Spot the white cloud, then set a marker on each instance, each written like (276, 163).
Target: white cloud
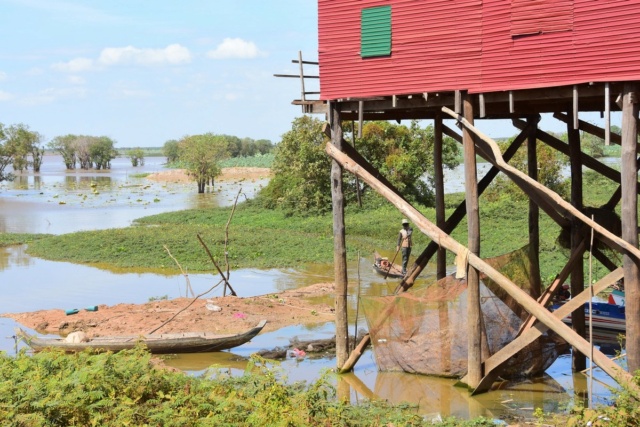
(35, 71)
(235, 48)
(49, 95)
(5, 96)
(74, 66)
(3, 76)
(172, 54)
(231, 96)
(76, 80)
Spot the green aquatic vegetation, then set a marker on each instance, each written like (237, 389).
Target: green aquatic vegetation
(9, 239)
(51, 388)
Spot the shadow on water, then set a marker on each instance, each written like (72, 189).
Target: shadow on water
(56, 202)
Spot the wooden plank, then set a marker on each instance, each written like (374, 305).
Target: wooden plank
(339, 245)
(629, 216)
(434, 233)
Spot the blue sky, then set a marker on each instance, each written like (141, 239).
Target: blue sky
(144, 72)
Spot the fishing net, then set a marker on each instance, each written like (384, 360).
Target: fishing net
(424, 331)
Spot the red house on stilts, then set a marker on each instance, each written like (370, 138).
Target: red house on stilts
(469, 60)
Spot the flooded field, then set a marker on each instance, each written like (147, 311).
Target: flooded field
(59, 202)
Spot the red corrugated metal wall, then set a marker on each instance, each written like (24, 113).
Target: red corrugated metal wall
(443, 45)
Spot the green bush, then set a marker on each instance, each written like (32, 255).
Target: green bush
(107, 389)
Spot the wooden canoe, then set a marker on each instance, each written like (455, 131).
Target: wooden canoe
(383, 267)
(187, 342)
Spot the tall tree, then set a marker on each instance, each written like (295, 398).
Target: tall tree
(137, 157)
(171, 150)
(66, 147)
(300, 182)
(301, 167)
(22, 143)
(102, 151)
(5, 156)
(201, 156)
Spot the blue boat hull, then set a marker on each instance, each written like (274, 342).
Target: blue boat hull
(605, 316)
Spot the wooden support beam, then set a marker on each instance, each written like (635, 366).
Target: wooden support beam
(586, 160)
(534, 216)
(438, 166)
(579, 361)
(434, 233)
(589, 128)
(474, 312)
(355, 355)
(548, 294)
(539, 201)
(339, 244)
(530, 186)
(629, 216)
(494, 364)
(607, 114)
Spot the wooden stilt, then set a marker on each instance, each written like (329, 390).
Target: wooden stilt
(534, 217)
(630, 222)
(577, 274)
(441, 260)
(339, 245)
(474, 315)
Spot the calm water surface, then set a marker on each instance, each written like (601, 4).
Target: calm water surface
(58, 202)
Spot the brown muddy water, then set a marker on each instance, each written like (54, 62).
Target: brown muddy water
(57, 202)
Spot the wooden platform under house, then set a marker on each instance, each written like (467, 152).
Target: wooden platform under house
(459, 62)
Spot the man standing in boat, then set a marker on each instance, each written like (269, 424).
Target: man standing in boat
(405, 243)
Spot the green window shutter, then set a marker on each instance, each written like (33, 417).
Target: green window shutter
(375, 32)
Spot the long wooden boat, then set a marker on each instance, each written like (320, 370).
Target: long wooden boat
(605, 316)
(187, 342)
(384, 267)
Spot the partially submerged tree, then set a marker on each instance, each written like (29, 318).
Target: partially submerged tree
(102, 151)
(171, 150)
(137, 157)
(22, 143)
(87, 151)
(5, 157)
(66, 147)
(201, 155)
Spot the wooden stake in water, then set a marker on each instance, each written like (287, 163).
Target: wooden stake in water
(591, 322)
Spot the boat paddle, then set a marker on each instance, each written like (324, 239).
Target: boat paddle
(391, 265)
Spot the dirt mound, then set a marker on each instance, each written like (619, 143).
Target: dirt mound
(180, 176)
(235, 315)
